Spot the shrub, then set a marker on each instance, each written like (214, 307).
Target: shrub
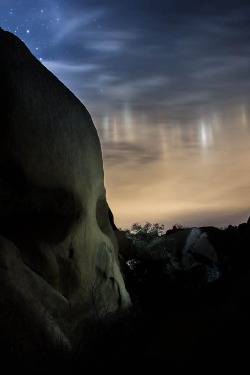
(145, 238)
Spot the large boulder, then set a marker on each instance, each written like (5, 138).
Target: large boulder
(58, 252)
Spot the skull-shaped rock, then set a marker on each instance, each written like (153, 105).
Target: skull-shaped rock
(58, 254)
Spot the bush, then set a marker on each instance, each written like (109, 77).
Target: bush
(145, 238)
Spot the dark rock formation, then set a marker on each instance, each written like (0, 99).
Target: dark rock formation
(197, 316)
(58, 253)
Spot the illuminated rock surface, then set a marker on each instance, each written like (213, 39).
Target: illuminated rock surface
(58, 253)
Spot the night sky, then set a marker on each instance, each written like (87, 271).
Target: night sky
(167, 84)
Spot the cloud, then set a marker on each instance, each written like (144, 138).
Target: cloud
(175, 59)
(62, 67)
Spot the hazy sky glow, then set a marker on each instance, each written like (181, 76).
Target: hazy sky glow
(167, 84)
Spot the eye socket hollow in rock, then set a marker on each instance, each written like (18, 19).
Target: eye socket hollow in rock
(11, 174)
(40, 213)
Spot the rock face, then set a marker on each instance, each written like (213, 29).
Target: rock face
(58, 253)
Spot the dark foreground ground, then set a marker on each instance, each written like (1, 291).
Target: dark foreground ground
(196, 319)
(180, 320)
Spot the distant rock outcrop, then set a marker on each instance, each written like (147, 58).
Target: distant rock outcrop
(194, 292)
(58, 254)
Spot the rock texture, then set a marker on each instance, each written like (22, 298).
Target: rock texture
(58, 253)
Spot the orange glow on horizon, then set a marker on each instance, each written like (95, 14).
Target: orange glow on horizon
(192, 174)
